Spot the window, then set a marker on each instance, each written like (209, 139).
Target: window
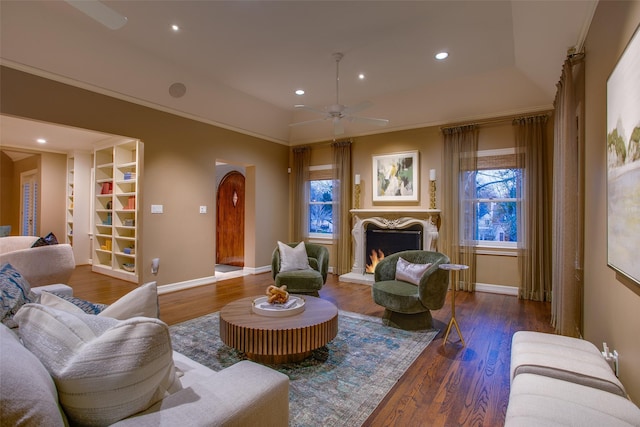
(496, 201)
(320, 208)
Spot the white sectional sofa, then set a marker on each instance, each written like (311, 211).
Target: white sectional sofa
(42, 265)
(61, 365)
(563, 381)
(244, 394)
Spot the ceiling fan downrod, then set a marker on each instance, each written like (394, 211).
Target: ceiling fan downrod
(338, 56)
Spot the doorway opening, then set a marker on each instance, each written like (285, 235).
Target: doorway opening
(230, 219)
(29, 203)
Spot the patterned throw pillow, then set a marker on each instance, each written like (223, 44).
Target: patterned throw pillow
(49, 239)
(104, 369)
(15, 291)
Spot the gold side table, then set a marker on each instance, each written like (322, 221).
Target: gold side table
(453, 268)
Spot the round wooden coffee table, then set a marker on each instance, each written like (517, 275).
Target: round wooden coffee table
(278, 339)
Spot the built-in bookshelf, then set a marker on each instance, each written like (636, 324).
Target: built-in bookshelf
(117, 184)
(70, 196)
(78, 230)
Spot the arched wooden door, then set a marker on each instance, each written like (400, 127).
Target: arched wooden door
(230, 220)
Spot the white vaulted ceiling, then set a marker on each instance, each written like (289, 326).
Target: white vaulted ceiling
(241, 61)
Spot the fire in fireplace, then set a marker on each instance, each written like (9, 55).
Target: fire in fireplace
(386, 241)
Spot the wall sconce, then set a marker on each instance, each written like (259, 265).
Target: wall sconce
(357, 191)
(432, 180)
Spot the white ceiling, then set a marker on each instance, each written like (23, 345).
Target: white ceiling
(241, 61)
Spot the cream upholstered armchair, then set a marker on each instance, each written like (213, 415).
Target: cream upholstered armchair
(407, 305)
(307, 280)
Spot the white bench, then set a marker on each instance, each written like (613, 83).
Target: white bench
(563, 381)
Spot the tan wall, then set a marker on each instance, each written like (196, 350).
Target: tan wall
(6, 192)
(179, 173)
(611, 307)
(53, 179)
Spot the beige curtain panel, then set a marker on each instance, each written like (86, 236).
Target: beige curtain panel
(568, 201)
(459, 221)
(342, 204)
(301, 160)
(534, 226)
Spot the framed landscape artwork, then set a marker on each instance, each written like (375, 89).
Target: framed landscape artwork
(395, 177)
(623, 162)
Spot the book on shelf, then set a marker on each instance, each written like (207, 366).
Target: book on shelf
(131, 203)
(107, 188)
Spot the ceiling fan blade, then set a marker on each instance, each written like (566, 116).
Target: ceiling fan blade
(100, 12)
(306, 107)
(358, 107)
(308, 122)
(338, 127)
(368, 120)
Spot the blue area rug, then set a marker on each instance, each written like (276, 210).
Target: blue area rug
(340, 384)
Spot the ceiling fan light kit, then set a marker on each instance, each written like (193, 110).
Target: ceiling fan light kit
(336, 112)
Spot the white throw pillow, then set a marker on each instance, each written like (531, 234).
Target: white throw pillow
(409, 272)
(293, 258)
(54, 301)
(140, 302)
(104, 369)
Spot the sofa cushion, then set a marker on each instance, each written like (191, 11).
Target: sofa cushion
(15, 291)
(104, 369)
(292, 259)
(28, 395)
(410, 272)
(537, 400)
(564, 358)
(49, 239)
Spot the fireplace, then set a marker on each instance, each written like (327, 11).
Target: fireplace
(381, 242)
(422, 226)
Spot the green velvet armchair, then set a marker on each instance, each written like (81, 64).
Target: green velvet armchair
(407, 306)
(308, 281)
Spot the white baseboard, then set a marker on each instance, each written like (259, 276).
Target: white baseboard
(187, 284)
(218, 277)
(497, 289)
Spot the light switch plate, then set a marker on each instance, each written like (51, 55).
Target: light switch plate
(156, 209)
(203, 209)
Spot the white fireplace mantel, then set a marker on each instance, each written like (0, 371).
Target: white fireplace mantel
(394, 211)
(391, 219)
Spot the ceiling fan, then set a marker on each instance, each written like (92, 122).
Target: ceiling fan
(100, 12)
(337, 111)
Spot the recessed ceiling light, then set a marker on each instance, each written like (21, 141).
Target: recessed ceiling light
(361, 76)
(299, 92)
(41, 141)
(174, 27)
(441, 55)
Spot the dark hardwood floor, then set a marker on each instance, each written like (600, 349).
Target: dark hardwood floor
(448, 385)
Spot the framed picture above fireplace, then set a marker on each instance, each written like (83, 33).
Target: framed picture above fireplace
(395, 177)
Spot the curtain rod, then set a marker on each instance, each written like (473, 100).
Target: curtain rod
(496, 120)
(323, 143)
